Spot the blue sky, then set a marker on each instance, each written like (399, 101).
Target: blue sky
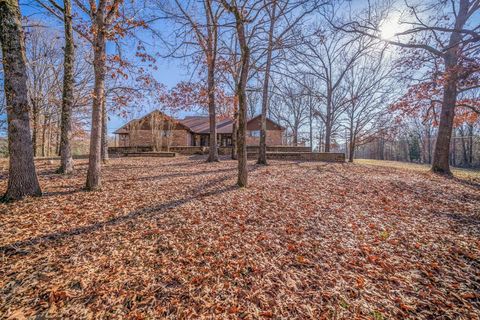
(169, 72)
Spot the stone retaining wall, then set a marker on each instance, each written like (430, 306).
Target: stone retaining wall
(189, 150)
(303, 156)
(124, 150)
(280, 149)
(273, 152)
(151, 154)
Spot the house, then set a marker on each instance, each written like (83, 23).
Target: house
(158, 130)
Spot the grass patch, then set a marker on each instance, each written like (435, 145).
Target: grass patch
(461, 173)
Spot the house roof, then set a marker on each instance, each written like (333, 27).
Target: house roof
(198, 124)
(125, 129)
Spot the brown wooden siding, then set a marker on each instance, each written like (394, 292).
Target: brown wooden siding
(144, 138)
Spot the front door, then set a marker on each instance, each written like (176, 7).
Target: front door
(203, 140)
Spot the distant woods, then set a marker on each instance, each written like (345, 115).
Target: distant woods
(45, 68)
(380, 79)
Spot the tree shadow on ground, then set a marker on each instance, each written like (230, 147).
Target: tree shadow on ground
(180, 164)
(469, 224)
(468, 183)
(25, 247)
(171, 175)
(204, 157)
(62, 192)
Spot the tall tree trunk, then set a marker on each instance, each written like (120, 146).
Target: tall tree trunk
(36, 119)
(351, 153)
(242, 103)
(381, 149)
(453, 149)
(66, 160)
(262, 154)
(464, 147)
(442, 147)
(235, 131)
(213, 150)
(242, 129)
(320, 138)
(240, 92)
(328, 121)
(211, 56)
(310, 125)
(57, 135)
(328, 134)
(429, 143)
(470, 144)
(22, 177)
(295, 136)
(105, 156)
(49, 139)
(95, 158)
(44, 135)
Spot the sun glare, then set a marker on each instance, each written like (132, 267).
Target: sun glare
(387, 32)
(389, 28)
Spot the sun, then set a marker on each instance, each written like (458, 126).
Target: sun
(387, 32)
(389, 28)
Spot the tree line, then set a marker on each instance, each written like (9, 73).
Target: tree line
(300, 62)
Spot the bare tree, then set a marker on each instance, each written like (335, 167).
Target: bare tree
(254, 96)
(109, 20)
(44, 72)
(231, 66)
(64, 13)
(43, 67)
(451, 36)
(240, 13)
(104, 138)
(370, 88)
(262, 155)
(22, 179)
(293, 13)
(66, 159)
(290, 106)
(327, 56)
(101, 16)
(157, 125)
(204, 29)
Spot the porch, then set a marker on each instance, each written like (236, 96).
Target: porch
(203, 139)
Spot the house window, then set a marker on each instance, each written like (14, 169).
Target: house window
(255, 133)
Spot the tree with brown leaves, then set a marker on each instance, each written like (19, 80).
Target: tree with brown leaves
(199, 29)
(444, 30)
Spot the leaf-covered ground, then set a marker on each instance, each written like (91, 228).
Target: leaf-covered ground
(174, 238)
